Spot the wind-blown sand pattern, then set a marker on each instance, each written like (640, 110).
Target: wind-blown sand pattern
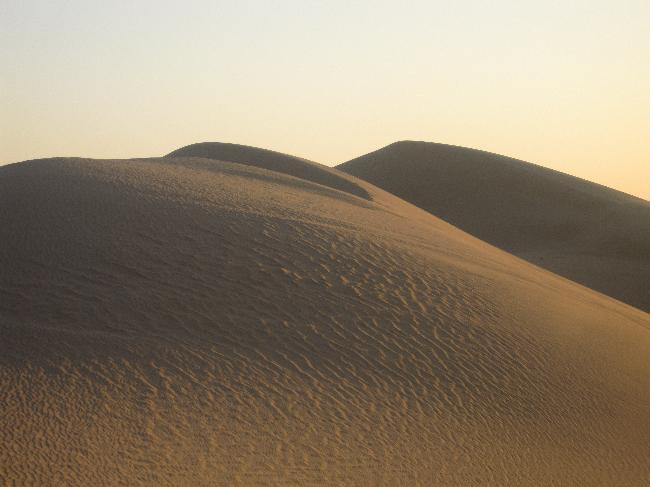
(187, 321)
(588, 233)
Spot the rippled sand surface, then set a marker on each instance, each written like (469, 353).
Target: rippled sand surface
(186, 321)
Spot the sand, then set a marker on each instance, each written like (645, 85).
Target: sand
(586, 232)
(186, 321)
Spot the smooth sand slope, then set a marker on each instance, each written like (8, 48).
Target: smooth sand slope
(186, 321)
(274, 161)
(588, 233)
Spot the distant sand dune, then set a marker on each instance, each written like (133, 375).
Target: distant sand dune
(274, 161)
(188, 321)
(588, 233)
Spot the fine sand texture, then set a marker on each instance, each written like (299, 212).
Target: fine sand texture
(190, 321)
(586, 232)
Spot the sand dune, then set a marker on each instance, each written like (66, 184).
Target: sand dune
(187, 321)
(273, 161)
(588, 233)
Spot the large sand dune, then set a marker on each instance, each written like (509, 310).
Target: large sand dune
(187, 321)
(588, 233)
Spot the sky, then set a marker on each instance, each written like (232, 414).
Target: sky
(564, 84)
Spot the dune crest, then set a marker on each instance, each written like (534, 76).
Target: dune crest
(273, 161)
(586, 232)
(185, 321)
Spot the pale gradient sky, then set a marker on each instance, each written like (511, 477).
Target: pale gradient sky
(564, 84)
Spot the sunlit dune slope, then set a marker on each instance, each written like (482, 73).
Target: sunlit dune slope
(186, 321)
(591, 234)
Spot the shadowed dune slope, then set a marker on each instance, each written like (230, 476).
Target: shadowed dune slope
(185, 321)
(588, 233)
(274, 161)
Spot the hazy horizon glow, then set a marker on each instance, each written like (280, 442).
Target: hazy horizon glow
(561, 84)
